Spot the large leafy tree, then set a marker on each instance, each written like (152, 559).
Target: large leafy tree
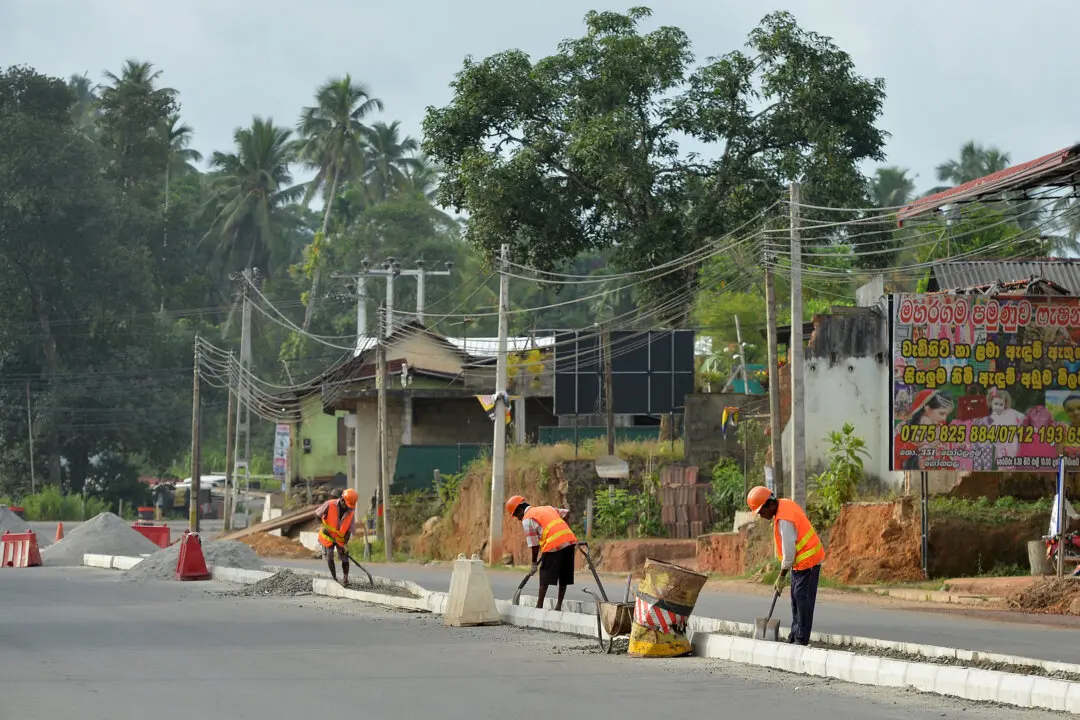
(580, 150)
(331, 133)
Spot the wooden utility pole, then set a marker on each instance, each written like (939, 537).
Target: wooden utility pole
(384, 464)
(230, 453)
(196, 445)
(608, 395)
(776, 428)
(498, 448)
(795, 359)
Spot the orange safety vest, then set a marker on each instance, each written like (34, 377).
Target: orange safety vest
(553, 529)
(335, 526)
(808, 548)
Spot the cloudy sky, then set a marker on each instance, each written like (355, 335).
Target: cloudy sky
(955, 69)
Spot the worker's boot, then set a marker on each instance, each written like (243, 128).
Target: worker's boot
(345, 580)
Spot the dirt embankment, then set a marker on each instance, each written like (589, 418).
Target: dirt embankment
(1049, 596)
(875, 542)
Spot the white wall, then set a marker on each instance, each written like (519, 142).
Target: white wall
(852, 390)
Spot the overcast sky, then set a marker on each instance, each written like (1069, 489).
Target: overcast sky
(955, 70)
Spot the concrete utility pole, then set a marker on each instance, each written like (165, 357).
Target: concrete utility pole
(390, 270)
(30, 431)
(609, 399)
(382, 381)
(230, 450)
(776, 429)
(795, 357)
(243, 394)
(196, 445)
(742, 357)
(498, 450)
(421, 274)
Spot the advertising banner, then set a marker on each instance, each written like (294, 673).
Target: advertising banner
(985, 383)
(281, 451)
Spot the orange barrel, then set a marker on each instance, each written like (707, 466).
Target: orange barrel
(664, 600)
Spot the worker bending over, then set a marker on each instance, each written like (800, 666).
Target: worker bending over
(799, 550)
(337, 523)
(552, 543)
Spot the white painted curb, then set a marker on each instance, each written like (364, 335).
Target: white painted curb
(110, 562)
(968, 683)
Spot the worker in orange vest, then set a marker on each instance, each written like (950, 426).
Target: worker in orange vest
(552, 543)
(800, 552)
(336, 515)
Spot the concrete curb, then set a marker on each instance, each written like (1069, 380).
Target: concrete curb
(1025, 691)
(110, 562)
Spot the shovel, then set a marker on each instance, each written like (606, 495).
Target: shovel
(766, 628)
(363, 569)
(524, 582)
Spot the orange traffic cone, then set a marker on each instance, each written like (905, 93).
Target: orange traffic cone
(59, 531)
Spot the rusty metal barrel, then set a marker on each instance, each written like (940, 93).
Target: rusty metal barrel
(663, 603)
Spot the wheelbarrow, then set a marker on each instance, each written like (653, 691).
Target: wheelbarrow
(615, 618)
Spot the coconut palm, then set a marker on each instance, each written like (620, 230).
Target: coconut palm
(975, 161)
(130, 130)
(84, 113)
(891, 187)
(389, 160)
(331, 134)
(250, 188)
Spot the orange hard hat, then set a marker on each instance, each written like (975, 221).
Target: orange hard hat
(757, 497)
(350, 497)
(512, 504)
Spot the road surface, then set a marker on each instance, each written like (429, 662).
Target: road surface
(89, 642)
(932, 626)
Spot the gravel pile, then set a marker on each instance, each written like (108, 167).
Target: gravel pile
(390, 590)
(225, 553)
(9, 521)
(283, 583)
(105, 534)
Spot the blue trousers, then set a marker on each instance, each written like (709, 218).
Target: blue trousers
(804, 584)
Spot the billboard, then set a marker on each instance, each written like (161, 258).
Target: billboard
(985, 382)
(652, 372)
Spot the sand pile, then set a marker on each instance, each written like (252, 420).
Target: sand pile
(283, 583)
(105, 534)
(9, 521)
(225, 553)
(1050, 596)
(273, 546)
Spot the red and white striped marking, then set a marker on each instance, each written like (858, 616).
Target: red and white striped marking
(654, 618)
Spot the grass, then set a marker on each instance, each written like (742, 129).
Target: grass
(51, 505)
(546, 455)
(983, 511)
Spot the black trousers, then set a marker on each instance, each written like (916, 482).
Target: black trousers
(804, 584)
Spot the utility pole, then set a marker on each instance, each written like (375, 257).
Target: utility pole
(795, 357)
(776, 429)
(421, 274)
(30, 432)
(230, 451)
(384, 464)
(498, 450)
(608, 399)
(742, 357)
(243, 395)
(390, 270)
(196, 445)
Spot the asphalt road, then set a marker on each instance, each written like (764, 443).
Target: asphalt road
(89, 642)
(947, 628)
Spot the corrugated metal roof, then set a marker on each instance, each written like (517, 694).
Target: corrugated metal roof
(1056, 168)
(972, 273)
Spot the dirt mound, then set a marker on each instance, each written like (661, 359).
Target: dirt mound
(875, 542)
(9, 521)
(274, 546)
(223, 553)
(104, 534)
(1050, 597)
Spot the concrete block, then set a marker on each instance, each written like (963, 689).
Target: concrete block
(1015, 689)
(864, 669)
(815, 661)
(742, 650)
(237, 575)
(1072, 698)
(1048, 693)
(102, 562)
(119, 562)
(471, 601)
(765, 652)
(920, 676)
(838, 664)
(891, 673)
(951, 680)
(712, 645)
(789, 657)
(984, 685)
(310, 540)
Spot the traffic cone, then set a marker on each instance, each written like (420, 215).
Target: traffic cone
(191, 565)
(59, 531)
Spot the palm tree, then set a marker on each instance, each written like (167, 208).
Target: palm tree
(389, 161)
(332, 131)
(84, 113)
(135, 87)
(891, 187)
(251, 187)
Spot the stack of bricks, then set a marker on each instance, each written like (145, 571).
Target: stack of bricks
(684, 510)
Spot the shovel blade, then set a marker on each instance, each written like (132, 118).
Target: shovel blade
(767, 629)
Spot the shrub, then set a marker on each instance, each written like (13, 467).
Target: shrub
(838, 483)
(726, 495)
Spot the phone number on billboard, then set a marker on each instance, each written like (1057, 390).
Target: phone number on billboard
(1050, 434)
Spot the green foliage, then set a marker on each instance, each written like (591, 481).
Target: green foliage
(983, 511)
(51, 505)
(728, 492)
(412, 509)
(448, 487)
(613, 511)
(563, 156)
(838, 483)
